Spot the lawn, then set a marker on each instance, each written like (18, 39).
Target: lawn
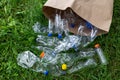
(16, 35)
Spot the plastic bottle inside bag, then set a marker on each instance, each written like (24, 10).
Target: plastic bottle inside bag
(50, 28)
(58, 26)
(64, 26)
(70, 16)
(78, 41)
(87, 38)
(94, 30)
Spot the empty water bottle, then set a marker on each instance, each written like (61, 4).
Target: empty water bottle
(70, 16)
(47, 41)
(76, 43)
(28, 60)
(93, 31)
(81, 65)
(68, 42)
(100, 54)
(86, 53)
(46, 56)
(70, 58)
(65, 28)
(61, 47)
(87, 38)
(58, 26)
(38, 28)
(50, 28)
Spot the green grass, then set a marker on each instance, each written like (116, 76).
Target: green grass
(16, 35)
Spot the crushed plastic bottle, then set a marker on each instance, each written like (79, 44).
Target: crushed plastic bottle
(59, 48)
(47, 57)
(27, 59)
(89, 52)
(71, 58)
(100, 54)
(50, 28)
(81, 65)
(47, 41)
(55, 70)
(78, 42)
(38, 28)
(67, 43)
(88, 37)
(93, 32)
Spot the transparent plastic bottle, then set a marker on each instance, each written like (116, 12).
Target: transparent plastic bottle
(55, 70)
(93, 32)
(67, 59)
(70, 16)
(65, 28)
(47, 41)
(81, 65)
(76, 43)
(67, 43)
(47, 68)
(28, 60)
(50, 28)
(87, 38)
(38, 28)
(59, 48)
(100, 54)
(70, 58)
(58, 26)
(86, 53)
(46, 56)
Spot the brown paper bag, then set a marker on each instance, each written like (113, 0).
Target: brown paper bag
(97, 12)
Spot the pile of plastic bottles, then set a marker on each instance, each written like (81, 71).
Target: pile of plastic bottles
(54, 59)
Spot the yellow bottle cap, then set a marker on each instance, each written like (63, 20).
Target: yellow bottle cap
(64, 66)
